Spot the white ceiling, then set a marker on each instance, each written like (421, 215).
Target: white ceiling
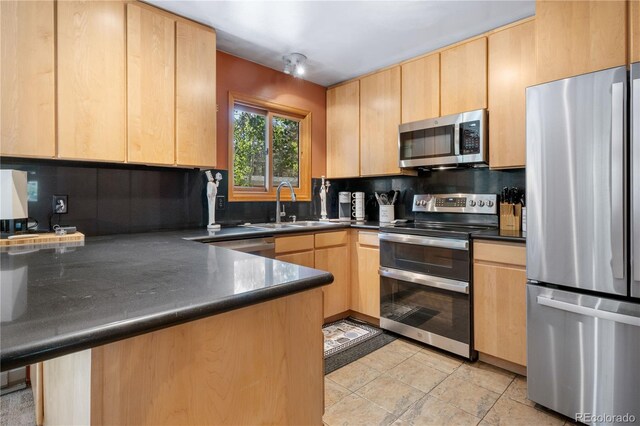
(344, 39)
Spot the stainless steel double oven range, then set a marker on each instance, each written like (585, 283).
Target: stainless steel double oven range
(425, 270)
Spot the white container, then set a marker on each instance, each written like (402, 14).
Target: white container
(387, 213)
(344, 205)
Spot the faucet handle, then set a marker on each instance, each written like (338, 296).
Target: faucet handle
(283, 213)
(293, 218)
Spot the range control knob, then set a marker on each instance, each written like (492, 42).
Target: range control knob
(417, 202)
(472, 203)
(480, 203)
(423, 203)
(489, 203)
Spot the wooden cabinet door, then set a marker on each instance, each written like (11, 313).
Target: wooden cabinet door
(578, 37)
(421, 89)
(150, 86)
(463, 77)
(27, 81)
(91, 80)
(336, 294)
(379, 120)
(634, 31)
(343, 131)
(499, 303)
(195, 96)
(366, 291)
(512, 66)
(303, 258)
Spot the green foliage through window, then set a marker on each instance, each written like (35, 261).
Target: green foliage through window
(251, 144)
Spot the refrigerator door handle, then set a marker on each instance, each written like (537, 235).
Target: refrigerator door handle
(617, 179)
(588, 311)
(635, 173)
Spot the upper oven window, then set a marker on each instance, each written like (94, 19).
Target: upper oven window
(438, 261)
(427, 143)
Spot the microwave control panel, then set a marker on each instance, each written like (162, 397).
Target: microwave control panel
(470, 137)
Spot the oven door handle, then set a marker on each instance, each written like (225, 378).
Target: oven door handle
(426, 280)
(425, 241)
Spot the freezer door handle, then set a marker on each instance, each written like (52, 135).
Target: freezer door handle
(635, 173)
(588, 311)
(617, 179)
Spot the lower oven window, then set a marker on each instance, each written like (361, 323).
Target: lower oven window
(442, 312)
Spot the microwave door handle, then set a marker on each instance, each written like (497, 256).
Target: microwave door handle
(456, 139)
(425, 280)
(617, 180)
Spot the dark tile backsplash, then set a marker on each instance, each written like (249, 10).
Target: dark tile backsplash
(109, 199)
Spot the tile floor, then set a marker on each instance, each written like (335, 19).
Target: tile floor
(404, 383)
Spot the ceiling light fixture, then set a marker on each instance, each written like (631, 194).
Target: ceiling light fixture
(294, 64)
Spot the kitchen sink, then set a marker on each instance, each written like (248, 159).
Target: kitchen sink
(291, 225)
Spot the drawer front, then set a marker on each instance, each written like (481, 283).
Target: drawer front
(329, 239)
(507, 253)
(304, 258)
(368, 239)
(295, 243)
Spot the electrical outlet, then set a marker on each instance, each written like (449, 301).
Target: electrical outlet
(220, 202)
(60, 204)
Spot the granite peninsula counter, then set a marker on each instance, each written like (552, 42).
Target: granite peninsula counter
(151, 324)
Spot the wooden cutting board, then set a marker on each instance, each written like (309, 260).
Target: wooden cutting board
(42, 238)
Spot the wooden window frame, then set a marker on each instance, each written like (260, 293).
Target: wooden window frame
(303, 193)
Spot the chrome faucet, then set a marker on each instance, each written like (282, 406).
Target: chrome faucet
(279, 213)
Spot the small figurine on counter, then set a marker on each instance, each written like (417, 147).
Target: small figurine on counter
(212, 191)
(324, 189)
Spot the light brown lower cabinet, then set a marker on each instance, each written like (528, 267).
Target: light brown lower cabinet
(499, 301)
(328, 251)
(259, 364)
(365, 281)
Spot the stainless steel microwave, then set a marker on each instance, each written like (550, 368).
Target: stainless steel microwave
(452, 140)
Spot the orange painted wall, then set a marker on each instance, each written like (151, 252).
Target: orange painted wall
(242, 76)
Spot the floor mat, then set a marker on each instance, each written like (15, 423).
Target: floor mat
(344, 333)
(338, 354)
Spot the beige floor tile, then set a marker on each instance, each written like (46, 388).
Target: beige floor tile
(354, 375)
(485, 375)
(517, 391)
(355, 410)
(445, 363)
(417, 374)
(509, 412)
(432, 411)
(391, 394)
(465, 395)
(402, 345)
(333, 392)
(386, 357)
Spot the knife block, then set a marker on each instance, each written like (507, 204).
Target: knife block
(510, 216)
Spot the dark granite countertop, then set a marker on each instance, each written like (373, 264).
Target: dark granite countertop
(501, 235)
(57, 301)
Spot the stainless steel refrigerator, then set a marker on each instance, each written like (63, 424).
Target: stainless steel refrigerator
(583, 245)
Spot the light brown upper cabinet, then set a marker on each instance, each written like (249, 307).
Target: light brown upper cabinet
(343, 130)
(577, 37)
(91, 80)
(421, 89)
(150, 86)
(379, 121)
(195, 96)
(512, 66)
(463, 77)
(27, 83)
(634, 31)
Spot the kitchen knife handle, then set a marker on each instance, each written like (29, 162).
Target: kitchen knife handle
(617, 180)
